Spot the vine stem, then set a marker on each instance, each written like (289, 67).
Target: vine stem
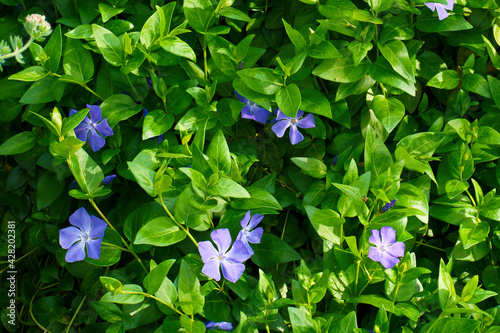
(92, 92)
(74, 316)
(92, 202)
(175, 221)
(21, 50)
(156, 299)
(430, 246)
(133, 89)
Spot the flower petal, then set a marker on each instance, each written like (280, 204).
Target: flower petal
(306, 122)
(95, 113)
(225, 325)
(375, 237)
(397, 249)
(295, 135)
(211, 269)
(281, 116)
(232, 271)
(95, 140)
(241, 98)
(246, 220)
(299, 115)
(450, 4)
(76, 252)
(442, 13)
(104, 129)
(108, 179)
(280, 127)
(387, 260)
(238, 253)
(72, 112)
(256, 218)
(388, 236)
(82, 131)
(207, 251)
(222, 238)
(374, 253)
(98, 227)
(68, 236)
(81, 219)
(255, 235)
(260, 114)
(246, 112)
(94, 248)
(431, 5)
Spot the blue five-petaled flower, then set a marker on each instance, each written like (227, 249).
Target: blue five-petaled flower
(283, 122)
(95, 128)
(87, 232)
(440, 8)
(222, 325)
(252, 111)
(231, 261)
(247, 235)
(386, 250)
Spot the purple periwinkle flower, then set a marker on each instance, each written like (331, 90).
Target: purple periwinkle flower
(95, 128)
(231, 261)
(283, 122)
(108, 179)
(252, 111)
(386, 250)
(440, 8)
(88, 232)
(247, 235)
(223, 325)
(334, 161)
(388, 206)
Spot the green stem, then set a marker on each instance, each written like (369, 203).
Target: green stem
(430, 246)
(92, 92)
(21, 50)
(74, 315)
(471, 198)
(175, 221)
(205, 65)
(156, 299)
(92, 202)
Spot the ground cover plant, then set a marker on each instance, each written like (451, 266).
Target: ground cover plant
(250, 166)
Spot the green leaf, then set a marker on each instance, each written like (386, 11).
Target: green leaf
(272, 251)
(315, 102)
(109, 45)
(451, 325)
(429, 23)
(156, 123)
(77, 61)
(107, 311)
(235, 14)
(49, 188)
(87, 173)
(311, 166)
(295, 36)
(226, 187)
(18, 144)
(124, 295)
(396, 27)
(107, 11)
(53, 49)
(119, 107)
(288, 99)
(192, 326)
(341, 70)
(455, 187)
(477, 84)
(396, 53)
(258, 199)
(446, 288)
(66, 147)
(302, 321)
(389, 111)
(42, 91)
(218, 154)
(447, 79)
(154, 279)
(377, 157)
(189, 290)
(381, 71)
(71, 122)
(262, 80)
(359, 50)
(393, 217)
(473, 232)
(177, 46)
(33, 73)
(145, 177)
(400, 309)
(110, 249)
(324, 50)
(160, 231)
(199, 14)
(345, 325)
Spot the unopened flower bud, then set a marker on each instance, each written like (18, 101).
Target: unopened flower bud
(37, 26)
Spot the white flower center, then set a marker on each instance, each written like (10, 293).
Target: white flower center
(85, 237)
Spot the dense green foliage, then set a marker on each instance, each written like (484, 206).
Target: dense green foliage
(406, 107)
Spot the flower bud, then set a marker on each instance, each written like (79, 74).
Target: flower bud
(37, 27)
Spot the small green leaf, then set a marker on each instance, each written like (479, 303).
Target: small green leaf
(18, 144)
(160, 231)
(33, 73)
(447, 79)
(288, 99)
(109, 45)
